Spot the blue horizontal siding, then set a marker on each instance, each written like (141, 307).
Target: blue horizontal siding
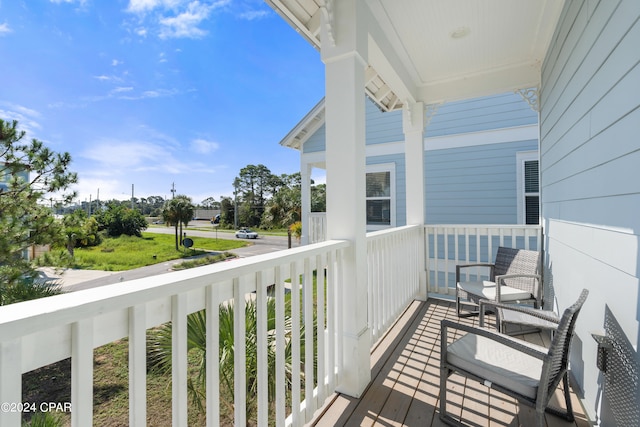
(473, 185)
(383, 127)
(480, 114)
(472, 115)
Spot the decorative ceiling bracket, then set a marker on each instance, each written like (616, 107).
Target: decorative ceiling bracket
(327, 10)
(430, 110)
(532, 96)
(406, 108)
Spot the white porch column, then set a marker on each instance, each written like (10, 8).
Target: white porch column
(305, 200)
(345, 62)
(413, 122)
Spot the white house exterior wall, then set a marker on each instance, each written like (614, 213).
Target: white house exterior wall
(590, 155)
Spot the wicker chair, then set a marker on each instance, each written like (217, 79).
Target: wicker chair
(516, 271)
(526, 318)
(528, 372)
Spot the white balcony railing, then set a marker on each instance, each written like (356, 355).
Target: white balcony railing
(449, 245)
(317, 227)
(394, 268)
(37, 333)
(41, 332)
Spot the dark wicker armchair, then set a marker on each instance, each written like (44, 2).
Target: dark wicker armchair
(528, 372)
(513, 278)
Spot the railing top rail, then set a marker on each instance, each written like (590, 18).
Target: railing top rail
(462, 226)
(27, 317)
(389, 231)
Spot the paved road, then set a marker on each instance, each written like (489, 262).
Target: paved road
(74, 280)
(261, 245)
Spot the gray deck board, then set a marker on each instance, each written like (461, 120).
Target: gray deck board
(405, 381)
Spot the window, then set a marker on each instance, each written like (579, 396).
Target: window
(379, 197)
(528, 188)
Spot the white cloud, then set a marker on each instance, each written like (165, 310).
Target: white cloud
(185, 24)
(253, 14)
(81, 2)
(26, 118)
(122, 89)
(138, 6)
(203, 146)
(4, 29)
(174, 18)
(115, 62)
(118, 155)
(102, 78)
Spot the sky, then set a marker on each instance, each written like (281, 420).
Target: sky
(151, 94)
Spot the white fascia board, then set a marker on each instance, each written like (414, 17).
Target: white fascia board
(309, 123)
(287, 14)
(388, 56)
(483, 83)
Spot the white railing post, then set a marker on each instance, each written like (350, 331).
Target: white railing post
(11, 382)
(137, 366)
(82, 373)
(179, 360)
(213, 357)
(239, 355)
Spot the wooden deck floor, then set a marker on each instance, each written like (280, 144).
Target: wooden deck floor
(405, 383)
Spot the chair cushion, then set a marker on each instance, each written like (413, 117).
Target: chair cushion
(487, 290)
(498, 363)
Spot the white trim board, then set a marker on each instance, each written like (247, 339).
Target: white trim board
(493, 136)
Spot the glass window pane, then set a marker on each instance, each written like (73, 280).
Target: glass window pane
(379, 212)
(533, 210)
(379, 184)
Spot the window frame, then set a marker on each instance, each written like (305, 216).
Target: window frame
(391, 169)
(521, 158)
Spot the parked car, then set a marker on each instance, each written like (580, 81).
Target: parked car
(245, 233)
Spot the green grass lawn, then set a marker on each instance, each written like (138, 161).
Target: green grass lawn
(127, 252)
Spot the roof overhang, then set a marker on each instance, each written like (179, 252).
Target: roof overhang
(305, 128)
(436, 51)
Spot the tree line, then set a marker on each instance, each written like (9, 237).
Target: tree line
(31, 175)
(268, 201)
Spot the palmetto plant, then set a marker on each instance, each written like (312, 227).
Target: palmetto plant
(159, 350)
(178, 212)
(28, 289)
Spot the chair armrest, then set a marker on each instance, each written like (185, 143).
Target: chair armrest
(461, 266)
(487, 333)
(499, 279)
(540, 314)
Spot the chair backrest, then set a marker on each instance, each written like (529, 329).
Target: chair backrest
(519, 261)
(557, 360)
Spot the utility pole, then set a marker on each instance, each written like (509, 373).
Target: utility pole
(173, 190)
(235, 207)
(131, 196)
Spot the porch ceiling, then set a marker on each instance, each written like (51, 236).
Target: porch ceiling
(434, 51)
